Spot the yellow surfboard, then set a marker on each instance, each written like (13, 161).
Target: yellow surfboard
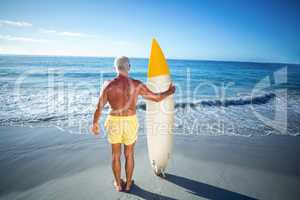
(159, 115)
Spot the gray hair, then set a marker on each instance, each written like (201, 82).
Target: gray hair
(121, 63)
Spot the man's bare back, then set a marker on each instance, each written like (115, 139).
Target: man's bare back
(122, 94)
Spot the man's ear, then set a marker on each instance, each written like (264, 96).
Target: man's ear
(115, 69)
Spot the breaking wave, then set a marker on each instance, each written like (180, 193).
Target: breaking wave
(260, 99)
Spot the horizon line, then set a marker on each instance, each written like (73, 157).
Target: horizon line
(134, 57)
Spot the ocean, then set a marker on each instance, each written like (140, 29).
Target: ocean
(212, 98)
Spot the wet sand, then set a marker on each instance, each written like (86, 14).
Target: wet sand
(47, 163)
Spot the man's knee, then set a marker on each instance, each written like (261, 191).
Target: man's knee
(128, 153)
(116, 156)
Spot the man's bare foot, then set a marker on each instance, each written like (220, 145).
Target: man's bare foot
(128, 186)
(119, 187)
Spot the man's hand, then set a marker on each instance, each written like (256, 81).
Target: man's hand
(156, 97)
(95, 129)
(171, 89)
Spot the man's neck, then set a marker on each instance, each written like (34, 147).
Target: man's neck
(123, 74)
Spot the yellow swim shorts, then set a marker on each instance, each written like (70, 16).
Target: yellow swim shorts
(121, 129)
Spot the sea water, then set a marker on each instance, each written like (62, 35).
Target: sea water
(212, 97)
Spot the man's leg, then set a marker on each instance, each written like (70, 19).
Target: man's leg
(129, 164)
(116, 164)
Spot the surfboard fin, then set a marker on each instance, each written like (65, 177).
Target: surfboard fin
(157, 171)
(160, 173)
(163, 175)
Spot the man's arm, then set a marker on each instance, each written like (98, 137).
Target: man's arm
(157, 97)
(101, 103)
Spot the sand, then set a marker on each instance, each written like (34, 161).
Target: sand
(47, 163)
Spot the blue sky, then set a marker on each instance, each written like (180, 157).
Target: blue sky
(246, 30)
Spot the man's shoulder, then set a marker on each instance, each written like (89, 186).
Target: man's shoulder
(106, 84)
(135, 81)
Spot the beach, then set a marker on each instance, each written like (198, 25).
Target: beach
(47, 163)
(211, 87)
(236, 131)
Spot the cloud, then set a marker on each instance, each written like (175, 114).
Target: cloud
(21, 39)
(72, 34)
(66, 33)
(47, 31)
(15, 23)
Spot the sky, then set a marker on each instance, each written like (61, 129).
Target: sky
(245, 30)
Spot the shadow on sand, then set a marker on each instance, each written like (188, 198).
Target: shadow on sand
(204, 190)
(197, 188)
(144, 194)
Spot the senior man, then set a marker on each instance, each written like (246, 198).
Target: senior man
(121, 124)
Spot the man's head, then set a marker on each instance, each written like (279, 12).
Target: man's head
(122, 64)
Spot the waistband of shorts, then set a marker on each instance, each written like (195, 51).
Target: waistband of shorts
(122, 117)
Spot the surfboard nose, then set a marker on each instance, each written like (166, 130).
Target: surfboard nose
(157, 63)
